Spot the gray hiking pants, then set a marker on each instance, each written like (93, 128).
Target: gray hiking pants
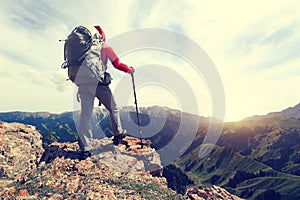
(87, 93)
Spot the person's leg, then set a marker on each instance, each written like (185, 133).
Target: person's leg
(105, 96)
(84, 124)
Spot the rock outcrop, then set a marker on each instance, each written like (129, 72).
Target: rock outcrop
(20, 150)
(211, 193)
(129, 157)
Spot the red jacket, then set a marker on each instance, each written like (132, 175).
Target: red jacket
(108, 53)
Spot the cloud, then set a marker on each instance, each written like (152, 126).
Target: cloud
(33, 76)
(267, 44)
(28, 14)
(34, 47)
(5, 68)
(253, 52)
(159, 16)
(59, 78)
(5, 74)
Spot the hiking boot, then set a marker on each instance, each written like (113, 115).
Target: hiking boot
(118, 139)
(84, 155)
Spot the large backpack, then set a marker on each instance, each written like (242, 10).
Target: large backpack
(82, 55)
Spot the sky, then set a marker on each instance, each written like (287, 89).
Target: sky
(254, 46)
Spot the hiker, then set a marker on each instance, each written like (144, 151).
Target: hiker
(88, 91)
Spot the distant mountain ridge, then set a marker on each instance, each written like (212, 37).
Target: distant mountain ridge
(63, 127)
(60, 125)
(290, 112)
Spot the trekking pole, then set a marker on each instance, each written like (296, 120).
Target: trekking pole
(137, 110)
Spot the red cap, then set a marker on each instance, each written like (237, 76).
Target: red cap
(99, 29)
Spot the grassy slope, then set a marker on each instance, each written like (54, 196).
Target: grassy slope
(243, 176)
(273, 141)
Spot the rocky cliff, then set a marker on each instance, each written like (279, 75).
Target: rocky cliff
(212, 193)
(21, 150)
(127, 171)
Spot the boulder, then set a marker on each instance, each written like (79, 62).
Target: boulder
(20, 150)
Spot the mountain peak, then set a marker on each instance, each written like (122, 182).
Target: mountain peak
(291, 112)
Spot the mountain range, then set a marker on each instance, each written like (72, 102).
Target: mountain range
(255, 158)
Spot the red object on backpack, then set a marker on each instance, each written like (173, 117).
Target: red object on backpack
(108, 52)
(99, 29)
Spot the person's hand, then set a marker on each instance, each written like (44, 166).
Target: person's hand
(131, 71)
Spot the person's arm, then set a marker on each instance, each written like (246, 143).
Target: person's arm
(111, 54)
(121, 66)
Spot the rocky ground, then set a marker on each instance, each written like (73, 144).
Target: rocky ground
(212, 193)
(127, 171)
